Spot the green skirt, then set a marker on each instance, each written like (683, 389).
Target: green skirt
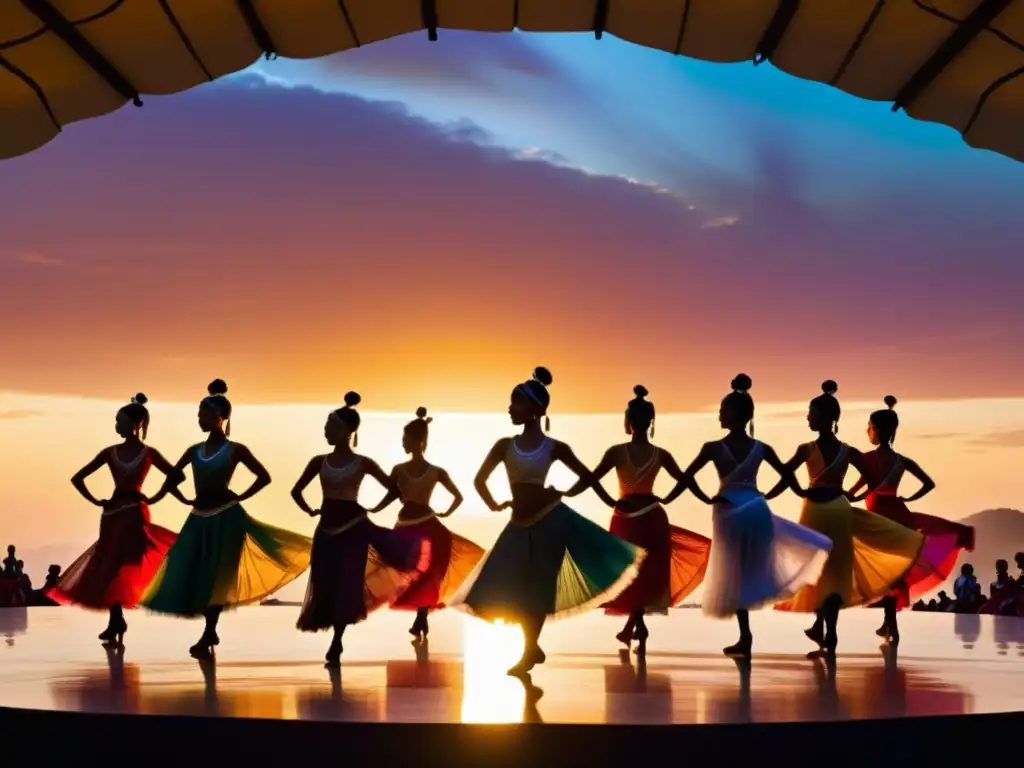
(224, 557)
(558, 565)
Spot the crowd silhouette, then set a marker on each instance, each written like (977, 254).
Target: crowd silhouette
(16, 589)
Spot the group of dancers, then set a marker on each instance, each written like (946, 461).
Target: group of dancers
(549, 561)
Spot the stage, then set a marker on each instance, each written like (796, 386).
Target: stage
(956, 680)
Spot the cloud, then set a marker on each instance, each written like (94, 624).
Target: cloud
(38, 259)
(1012, 438)
(18, 415)
(466, 59)
(942, 436)
(330, 236)
(722, 221)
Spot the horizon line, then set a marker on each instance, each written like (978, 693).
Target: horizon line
(773, 406)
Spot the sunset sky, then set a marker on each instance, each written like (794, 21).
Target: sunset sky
(428, 221)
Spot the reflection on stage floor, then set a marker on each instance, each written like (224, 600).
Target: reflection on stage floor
(946, 665)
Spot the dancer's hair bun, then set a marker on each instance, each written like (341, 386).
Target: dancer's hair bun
(140, 398)
(640, 391)
(890, 401)
(829, 387)
(542, 376)
(352, 399)
(741, 383)
(217, 387)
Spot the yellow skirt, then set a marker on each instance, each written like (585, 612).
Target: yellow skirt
(870, 554)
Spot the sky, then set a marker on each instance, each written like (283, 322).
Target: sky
(426, 222)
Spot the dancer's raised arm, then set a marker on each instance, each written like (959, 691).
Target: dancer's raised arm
(78, 479)
(787, 471)
(372, 468)
(689, 480)
(490, 463)
(587, 479)
(446, 481)
(175, 477)
(392, 495)
(308, 475)
(787, 474)
(244, 456)
(927, 484)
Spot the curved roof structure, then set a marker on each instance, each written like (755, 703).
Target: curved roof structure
(956, 62)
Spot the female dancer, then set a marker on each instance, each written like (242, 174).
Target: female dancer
(223, 557)
(452, 558)
(548, 561)
(113, 573)
(943, 540)
(870, 553)
(676, 558)
(357, 566)
(757, 558)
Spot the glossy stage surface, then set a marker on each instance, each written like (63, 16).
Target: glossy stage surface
(946, 666)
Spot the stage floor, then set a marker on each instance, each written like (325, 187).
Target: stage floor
(947, 665)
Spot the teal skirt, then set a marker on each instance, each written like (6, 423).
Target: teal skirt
(558, 565)
(225, 558)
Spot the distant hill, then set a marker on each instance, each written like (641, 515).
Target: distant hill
(998, 534)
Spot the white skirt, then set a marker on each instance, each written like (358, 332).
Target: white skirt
(757, 558)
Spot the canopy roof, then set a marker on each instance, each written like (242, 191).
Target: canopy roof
(956, 62)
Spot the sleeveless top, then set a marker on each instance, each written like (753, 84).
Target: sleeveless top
(340, 486)
(417, 489)
(832, 475)
(888, 482)
(128, 479)
(212, 476)
(415, 492)
(634, 479)
(529, 468)
(743, 474)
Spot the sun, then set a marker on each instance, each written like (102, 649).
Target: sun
(489, 694)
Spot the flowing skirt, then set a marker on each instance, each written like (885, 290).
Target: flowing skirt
(870, 555)
(943, 543)
(358, 567)
(556, 564)
(452, 559)
(676, 560)
(224, 557)
(758, 558)
(120, 565)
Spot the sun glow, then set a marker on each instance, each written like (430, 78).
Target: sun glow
(489, 694)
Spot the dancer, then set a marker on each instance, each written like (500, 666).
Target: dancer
(943, 540)
(357, 565)
(223, 557)
(870, 553)
(548, 561)
(452, 558)
(757, 558)
(114, 572)
(676, 558)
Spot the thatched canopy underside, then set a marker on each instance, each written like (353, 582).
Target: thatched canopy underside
(955, 62)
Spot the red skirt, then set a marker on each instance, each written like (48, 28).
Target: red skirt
(453, 558)
(120, 565)
(675, 564)
(943, 543)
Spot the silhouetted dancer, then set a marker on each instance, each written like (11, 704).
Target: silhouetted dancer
(870, 553)
(222, 557)
(676, 558)
(357, 566)
(452, 557)
(548, 561)
(114, 572)
(757, 558)
(943, 540)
